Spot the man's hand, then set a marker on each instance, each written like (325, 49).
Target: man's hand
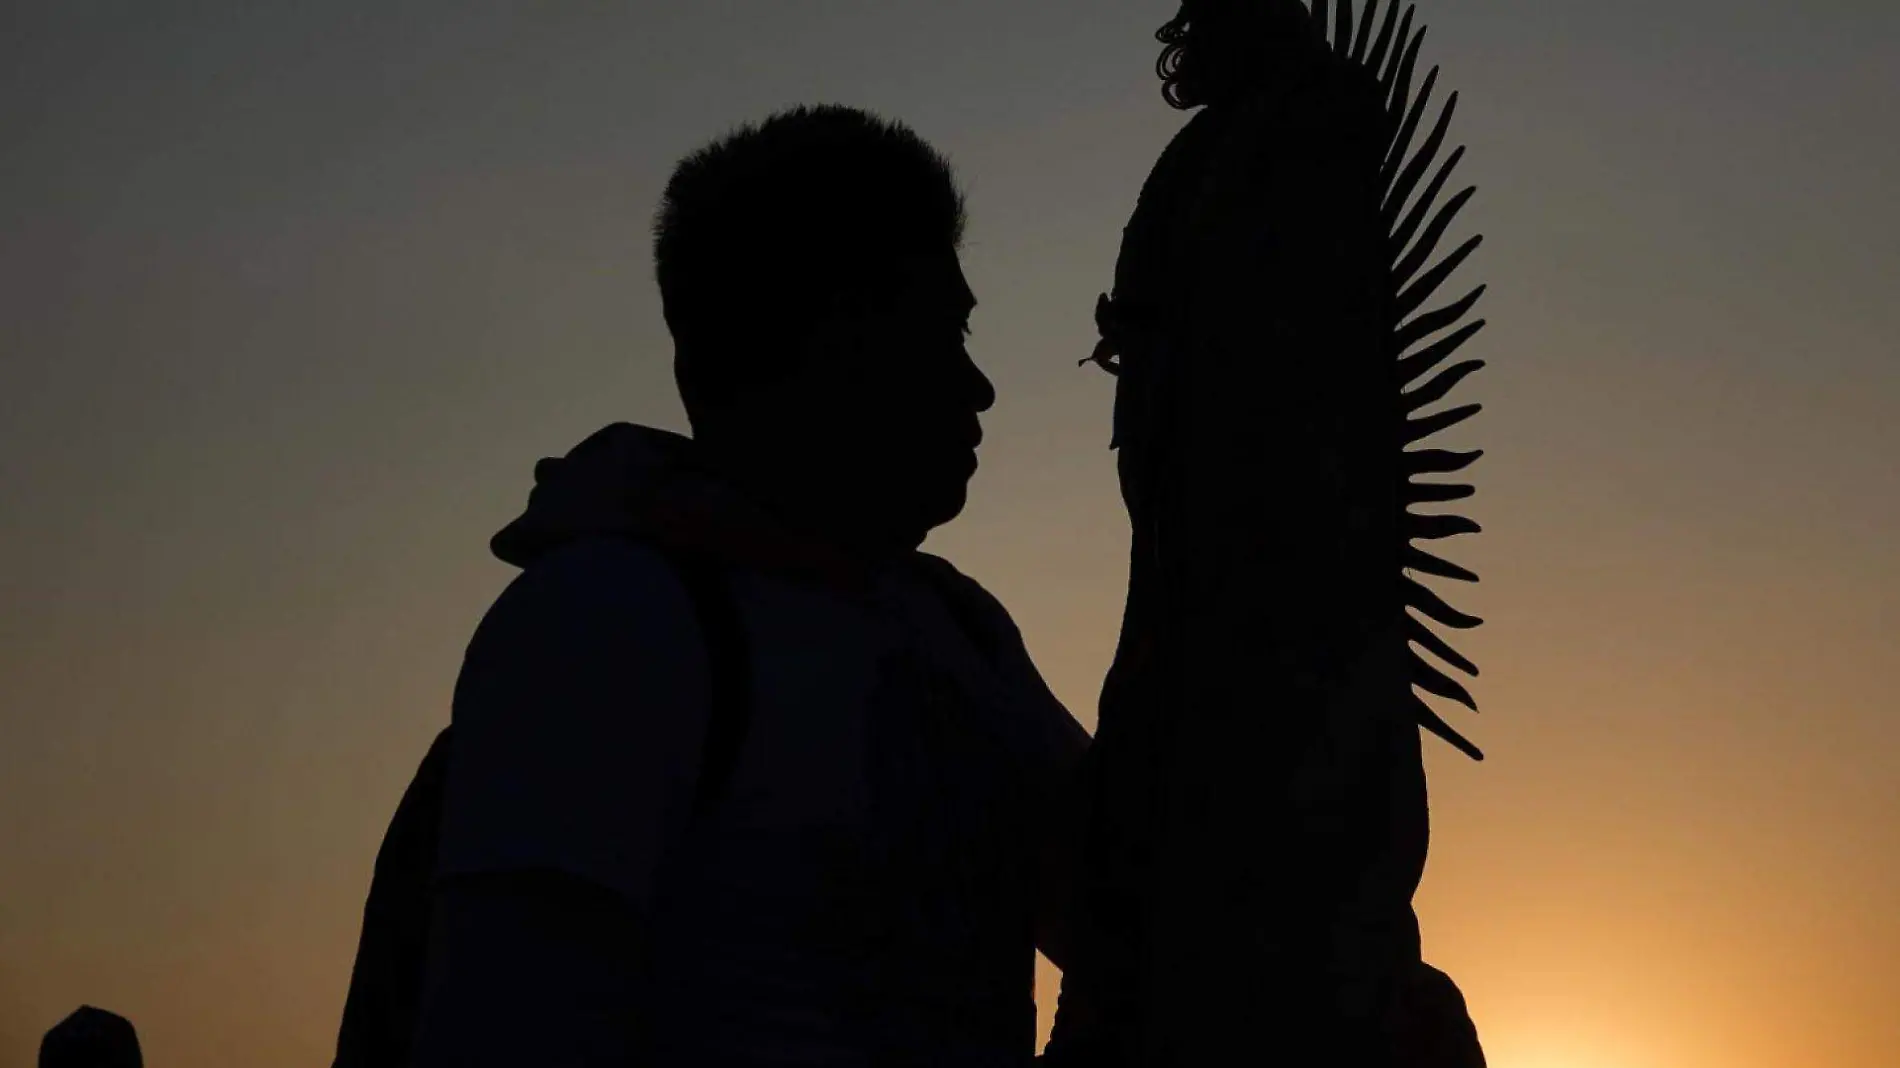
(1058, 910)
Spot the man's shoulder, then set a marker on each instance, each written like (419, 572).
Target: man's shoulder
(981, 616)
(988, 626)
(598, 567)
(954, 585)
(578, 718)
(603, 580)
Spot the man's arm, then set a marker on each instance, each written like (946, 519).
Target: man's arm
(578, 723)
(1059, 909)
(531, 968)
(1061, 740)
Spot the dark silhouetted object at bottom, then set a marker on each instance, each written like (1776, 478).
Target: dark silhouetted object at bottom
(91, 1038)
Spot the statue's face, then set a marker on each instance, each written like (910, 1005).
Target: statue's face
(1134, 439)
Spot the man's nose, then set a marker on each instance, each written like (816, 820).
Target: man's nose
(982, 391)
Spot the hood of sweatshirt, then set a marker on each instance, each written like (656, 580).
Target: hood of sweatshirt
(653, 486)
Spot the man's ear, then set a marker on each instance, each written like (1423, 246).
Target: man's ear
(821, 347)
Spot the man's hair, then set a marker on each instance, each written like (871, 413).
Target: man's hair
(759, 230)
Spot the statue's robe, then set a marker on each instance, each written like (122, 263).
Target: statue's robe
(1259, 822)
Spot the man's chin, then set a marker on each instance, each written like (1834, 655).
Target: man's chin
(942, 507)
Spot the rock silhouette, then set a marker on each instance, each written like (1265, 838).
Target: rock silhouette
(91, 1038)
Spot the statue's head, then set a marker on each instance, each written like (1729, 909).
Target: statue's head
(1215, 47)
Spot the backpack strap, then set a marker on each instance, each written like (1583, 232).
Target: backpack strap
(729, 670)
(381, 1007)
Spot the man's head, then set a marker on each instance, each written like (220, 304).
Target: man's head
(808, 269)
(91, 1038)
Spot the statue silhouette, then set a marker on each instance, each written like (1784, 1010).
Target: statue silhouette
(91, 1038)
(736, 774)
(1259, 818)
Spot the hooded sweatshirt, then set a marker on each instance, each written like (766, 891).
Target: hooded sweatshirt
(864, 893)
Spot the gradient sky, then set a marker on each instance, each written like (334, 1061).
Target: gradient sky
(292, 295)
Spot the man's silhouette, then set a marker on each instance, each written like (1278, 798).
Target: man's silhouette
(868, 881)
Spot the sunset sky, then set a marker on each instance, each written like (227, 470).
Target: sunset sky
(293, 295)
